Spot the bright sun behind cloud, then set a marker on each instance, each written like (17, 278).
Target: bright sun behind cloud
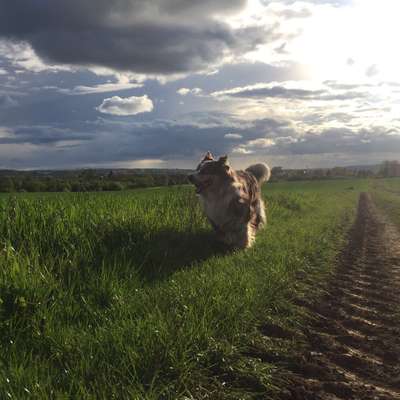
(351, 43)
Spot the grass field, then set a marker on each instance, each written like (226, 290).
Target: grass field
(386, 194)
(126, 295)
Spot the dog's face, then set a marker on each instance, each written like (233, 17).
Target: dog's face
(210, 174)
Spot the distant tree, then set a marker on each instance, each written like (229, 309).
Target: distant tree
(76, 186)
(390, 168)
(87, 174)
(276, 170)
(33, 185)
(6, 184)
(112, 186)
(364, 173)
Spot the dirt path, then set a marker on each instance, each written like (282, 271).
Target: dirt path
(354, 341)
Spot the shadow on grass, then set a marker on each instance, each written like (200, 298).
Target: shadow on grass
(156, 256)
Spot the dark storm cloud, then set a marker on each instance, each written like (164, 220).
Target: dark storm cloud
(43, 135)
(328, 141)
(162, 37)
(348, 141)
(171, 140)
(108, 141)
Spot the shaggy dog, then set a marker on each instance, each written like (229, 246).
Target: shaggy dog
(231, 199)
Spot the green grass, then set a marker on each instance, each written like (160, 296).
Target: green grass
(128, 296)
(386, 194)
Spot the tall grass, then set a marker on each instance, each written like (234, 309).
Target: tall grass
(127, 295)
(386, 194)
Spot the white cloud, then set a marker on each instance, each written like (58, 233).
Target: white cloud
(5, 132)
(372, 70)
(185, 91)
(261, 143)
(299, 88)
(126, 106)
(241, 150)
(3, 71)
(21, 55)
(233, 136)
(101, 88)
(253, 146)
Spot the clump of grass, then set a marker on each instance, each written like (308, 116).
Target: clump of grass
(127, 295)
(386, 194)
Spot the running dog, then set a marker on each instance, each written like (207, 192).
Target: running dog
(231, 199)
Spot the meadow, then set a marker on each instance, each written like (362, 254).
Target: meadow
(127, 295)
(386, 194)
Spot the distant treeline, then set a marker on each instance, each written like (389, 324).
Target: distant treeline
(86, 181)
(280, 174)
(385, 170)
(95, 180)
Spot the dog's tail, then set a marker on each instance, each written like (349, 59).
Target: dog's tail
(261, 172)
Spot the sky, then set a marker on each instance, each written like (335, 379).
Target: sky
(157, 83)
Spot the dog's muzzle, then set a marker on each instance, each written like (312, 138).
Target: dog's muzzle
(199, 185)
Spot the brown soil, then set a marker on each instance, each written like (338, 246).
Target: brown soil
(353, 341)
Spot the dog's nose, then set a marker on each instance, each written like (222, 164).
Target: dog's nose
(191, 178)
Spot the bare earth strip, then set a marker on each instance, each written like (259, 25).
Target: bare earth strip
(353, 341)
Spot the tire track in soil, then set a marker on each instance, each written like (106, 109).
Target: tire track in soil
(353, 341)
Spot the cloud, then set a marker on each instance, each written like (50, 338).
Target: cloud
(185, 91)
(5, 132)
(176, 143)
(272, 90)
(157, 37)
(100, 88)
(372, 70)
(261, 143)
(40, 135)
(7, 102)
(326, 141)
(336, 3)
(241, 150)
(254, 145)
(22, 55)
(290, 13)
(233, 136)
(374, 139)
(126, 106)
(281, 49)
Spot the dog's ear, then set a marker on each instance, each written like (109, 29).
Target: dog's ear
(208, 157)
(223, 160)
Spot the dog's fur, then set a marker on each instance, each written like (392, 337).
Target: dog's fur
(231, 199)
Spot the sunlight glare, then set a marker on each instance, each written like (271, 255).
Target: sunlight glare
(351, 43)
